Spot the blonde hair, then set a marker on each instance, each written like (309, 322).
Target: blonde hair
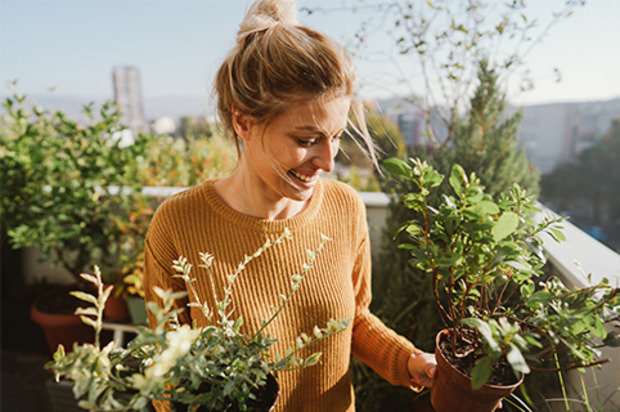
(276, 62)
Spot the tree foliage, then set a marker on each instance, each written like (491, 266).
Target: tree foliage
(68, 188)
(486, 139)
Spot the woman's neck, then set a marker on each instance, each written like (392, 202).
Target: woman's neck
(250, 196)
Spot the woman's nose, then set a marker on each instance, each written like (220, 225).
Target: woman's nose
(326, 152)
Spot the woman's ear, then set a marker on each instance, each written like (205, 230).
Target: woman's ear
(242, 123)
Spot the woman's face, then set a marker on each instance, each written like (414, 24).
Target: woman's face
(287, 155)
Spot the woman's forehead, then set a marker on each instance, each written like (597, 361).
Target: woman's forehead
(318, 114)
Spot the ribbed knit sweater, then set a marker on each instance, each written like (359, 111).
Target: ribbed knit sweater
(338, 285)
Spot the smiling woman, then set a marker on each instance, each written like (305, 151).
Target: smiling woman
(284, 93)
(283, 158)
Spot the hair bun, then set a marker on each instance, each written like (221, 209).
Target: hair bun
(263, 14)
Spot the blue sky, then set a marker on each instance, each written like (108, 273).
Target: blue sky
(72, 45)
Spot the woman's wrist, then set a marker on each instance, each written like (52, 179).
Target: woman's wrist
(422, 369)
(411, 360)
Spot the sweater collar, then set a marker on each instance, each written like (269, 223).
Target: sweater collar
(214, 202)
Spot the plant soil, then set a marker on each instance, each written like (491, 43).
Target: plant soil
(58, 300)
(502, 374)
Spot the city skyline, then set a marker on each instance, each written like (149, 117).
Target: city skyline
(177, 46)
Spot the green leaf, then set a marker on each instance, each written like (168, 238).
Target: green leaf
(527, 289)
(238, 323)
(89, 321)
(481, 372)
(532, 341)
(516, 360)
(485, 331)
(488, 207)
(505, 226)
(432, 178)
(413, 200)
(473, 212)
(457, 178)
(397, 167)
(557, 235)
(85, 297)
(86, 311)
(89, 278)
(577, 326)
(599, 328)
(312, 359)
(449, 259)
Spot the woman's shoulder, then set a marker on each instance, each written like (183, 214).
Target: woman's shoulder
(342, 192)
(185, 202)
(336, 188)
(185, 198)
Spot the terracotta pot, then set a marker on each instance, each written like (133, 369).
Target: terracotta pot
(61, 328)
(452, 390)
(266, 399)
(116, 309)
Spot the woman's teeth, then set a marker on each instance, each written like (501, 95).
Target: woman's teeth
(301, 177)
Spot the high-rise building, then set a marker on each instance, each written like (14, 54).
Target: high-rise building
(128, 96)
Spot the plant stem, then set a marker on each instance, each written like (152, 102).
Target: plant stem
(557, 362)
(569, 367)
(585, 392)
(303, 274)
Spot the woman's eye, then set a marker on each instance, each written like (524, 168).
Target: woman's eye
(306, 142)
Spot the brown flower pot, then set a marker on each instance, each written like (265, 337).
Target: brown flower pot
(452, 390)
(61, 328)
(116, 309)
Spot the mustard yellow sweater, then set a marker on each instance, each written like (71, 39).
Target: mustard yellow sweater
(338, 285)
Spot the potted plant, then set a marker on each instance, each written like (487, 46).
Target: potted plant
(183, 364)
(129, 288)
(71, 189)
(503, 316)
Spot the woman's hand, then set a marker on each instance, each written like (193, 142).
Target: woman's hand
(422, 368)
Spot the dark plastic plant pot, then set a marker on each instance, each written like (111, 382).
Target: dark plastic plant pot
(62, 399)
(452, 391)
(137, 310)
(266, 400)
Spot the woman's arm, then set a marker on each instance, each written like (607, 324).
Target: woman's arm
(159, 254)
(392, 356)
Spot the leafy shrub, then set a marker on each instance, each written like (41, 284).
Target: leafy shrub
(68, 188)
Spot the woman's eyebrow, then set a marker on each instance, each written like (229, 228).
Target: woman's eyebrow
(314, 129)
